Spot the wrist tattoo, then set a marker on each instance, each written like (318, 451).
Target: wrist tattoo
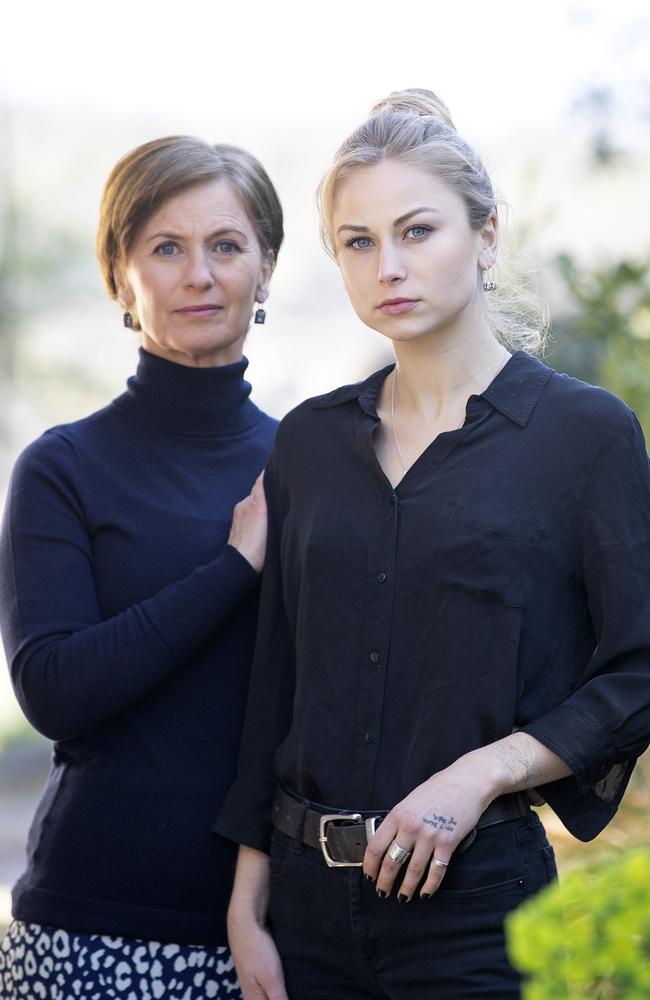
(517, 760)
(440, 822)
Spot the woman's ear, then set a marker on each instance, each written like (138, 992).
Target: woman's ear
(489, 241)
(266, 270)
(123, 289)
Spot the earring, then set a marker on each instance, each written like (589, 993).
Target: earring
(489, 284)
(260, 315)
(127, 319)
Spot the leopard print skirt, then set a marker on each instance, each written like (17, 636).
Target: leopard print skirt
(45, 963)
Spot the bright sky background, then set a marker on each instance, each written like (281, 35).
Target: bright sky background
(83, 82)
(496, 62)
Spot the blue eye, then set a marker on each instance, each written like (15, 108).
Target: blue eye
(166, 249)
(418, 232)
(227, 246)
(359, 242)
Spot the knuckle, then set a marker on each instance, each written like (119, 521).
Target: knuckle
(410, 826)
(387, 874)
(374, 851)
(394, 817)
(415, 872)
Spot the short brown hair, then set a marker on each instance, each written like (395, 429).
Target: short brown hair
(148, 175)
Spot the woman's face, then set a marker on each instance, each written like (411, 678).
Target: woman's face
(193, 275)
(407, 254)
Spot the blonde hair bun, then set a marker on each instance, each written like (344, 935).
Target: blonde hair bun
(415, 101)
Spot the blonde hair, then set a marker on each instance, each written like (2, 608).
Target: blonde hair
(148, 175)
(415, 127)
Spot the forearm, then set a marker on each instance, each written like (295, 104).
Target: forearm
(256, 958)
(250, 895)
(516, 763)
(68, 682)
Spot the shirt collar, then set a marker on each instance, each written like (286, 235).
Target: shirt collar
(514, 392)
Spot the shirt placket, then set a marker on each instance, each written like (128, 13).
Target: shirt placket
(379, 596)
(381, 577)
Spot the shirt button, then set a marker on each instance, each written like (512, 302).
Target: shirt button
(369, 738)
(381, 577)
(374, 656)
(392, 499)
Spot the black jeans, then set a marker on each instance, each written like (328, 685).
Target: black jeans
(339, 941)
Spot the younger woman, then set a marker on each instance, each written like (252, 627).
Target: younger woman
(455, 610)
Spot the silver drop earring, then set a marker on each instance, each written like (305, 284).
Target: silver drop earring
(260, 315)
(127, 319)
(489, 284)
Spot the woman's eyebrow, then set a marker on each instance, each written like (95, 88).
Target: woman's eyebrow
(398, 222)
(210, 236)
(356, 229)
(415, 211)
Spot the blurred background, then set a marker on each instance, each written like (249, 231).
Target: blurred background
(555, 97)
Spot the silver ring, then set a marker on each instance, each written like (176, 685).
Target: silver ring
(441, 864)
(397, 853)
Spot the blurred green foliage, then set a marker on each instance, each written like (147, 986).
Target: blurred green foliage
(589, 936)
(604, 334)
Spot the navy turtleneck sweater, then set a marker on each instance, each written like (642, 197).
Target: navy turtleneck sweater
(129, 626)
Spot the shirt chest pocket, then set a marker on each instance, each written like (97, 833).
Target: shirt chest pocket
(482, 551)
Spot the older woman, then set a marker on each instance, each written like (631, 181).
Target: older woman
(456, 608)
(128, 598)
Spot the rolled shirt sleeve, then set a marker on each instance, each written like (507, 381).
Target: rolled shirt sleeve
(602, 728)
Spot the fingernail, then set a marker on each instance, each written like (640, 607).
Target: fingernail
(402, 898)
(368, 878)
(425, 895)
(381, 893)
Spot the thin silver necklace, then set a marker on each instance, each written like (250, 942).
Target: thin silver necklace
(392, 407)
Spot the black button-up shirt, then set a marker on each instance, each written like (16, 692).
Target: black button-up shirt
(504, 583)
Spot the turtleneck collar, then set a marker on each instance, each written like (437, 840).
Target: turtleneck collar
(199, 402)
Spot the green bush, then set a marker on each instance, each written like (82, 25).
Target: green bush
(588, 936)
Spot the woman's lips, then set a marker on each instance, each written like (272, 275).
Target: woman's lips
(394, 307)
(209, 310)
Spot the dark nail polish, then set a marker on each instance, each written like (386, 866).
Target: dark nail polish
(368, 878)
(381, 893)
(402, 898)
(425, 895)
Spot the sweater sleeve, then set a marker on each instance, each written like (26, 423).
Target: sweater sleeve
(71, 669)
(602, 728)
(246, 815)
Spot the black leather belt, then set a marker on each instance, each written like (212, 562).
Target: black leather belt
(343, 836)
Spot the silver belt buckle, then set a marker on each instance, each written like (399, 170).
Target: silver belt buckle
(345, 818)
